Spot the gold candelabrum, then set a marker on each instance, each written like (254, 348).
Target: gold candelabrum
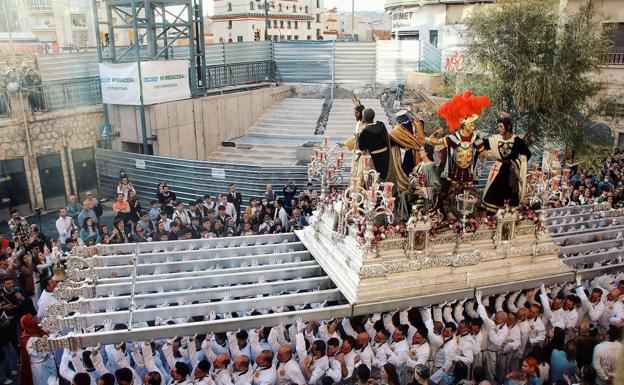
(543, 188)
(326, 166)
(366, 199)
(465, 205)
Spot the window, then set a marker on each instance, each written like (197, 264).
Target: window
(289, 25)
(294, 9)
(281, 23)
(229, 24)
(433, 38)
(307, 10)
(282, 37)
(318, 3)
(296, 24)
(239, 39)
(289, 37)
(229, 7)
(251, 6)
(309, 37)
(230, 40)
(275, 37)
(318, 32)
(220, 40)
(279, 7)
(309, 25)
(275, 23)
(296, 37)
(318, 18)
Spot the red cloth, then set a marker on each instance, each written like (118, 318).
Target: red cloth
(30, 328)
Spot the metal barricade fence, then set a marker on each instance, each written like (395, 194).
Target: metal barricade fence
(71, 93)
(226, 75)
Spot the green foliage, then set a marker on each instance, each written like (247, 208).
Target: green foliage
(538, 69)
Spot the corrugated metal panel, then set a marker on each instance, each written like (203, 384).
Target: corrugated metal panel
(68, 66)
(248, 52)
(431, 57)
(214, 54)
(355, 63)
(304, 61)
(190, 178)
(395, 58)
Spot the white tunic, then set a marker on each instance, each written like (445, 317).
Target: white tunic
(289, 373)
(264, 376)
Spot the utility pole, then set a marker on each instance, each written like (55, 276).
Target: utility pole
(265, 6)
(5, 10)
(137, 46)
(353, 19)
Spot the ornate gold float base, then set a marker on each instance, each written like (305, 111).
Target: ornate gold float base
(445, 268)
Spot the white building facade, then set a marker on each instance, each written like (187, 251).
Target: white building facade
(437, 22)
(244, 20)
(61, 25)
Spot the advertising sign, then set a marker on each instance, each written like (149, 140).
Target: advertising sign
(120, 83)
(165, 80)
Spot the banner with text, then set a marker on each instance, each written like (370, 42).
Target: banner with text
(165, 81)
(120, 83)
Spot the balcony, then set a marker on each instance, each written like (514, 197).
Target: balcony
(614, 59)
(40, 6)
(43, 27)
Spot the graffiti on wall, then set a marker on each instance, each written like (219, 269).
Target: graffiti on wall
(455, 62)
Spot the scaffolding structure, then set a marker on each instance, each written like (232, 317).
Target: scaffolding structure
(157, 26)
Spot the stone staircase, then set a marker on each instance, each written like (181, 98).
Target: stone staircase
(274, 138)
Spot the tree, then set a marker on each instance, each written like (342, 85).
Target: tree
(541, 64)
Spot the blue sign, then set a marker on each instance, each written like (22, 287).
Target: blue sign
(106, 130)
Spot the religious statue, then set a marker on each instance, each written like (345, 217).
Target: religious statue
(351, 142)
(425, 185)
(506, 183)
(463, 146)
(375, 141)
(407, 134)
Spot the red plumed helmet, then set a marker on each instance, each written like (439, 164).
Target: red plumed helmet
(461, 107)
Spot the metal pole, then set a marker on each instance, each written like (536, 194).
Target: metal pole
(353, 19)
(98, 43)
(21, 101)
(333, 70)
(266, 20)
(6, 20)
(138, 61)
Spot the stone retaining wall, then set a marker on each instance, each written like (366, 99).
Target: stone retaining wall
(49, 132)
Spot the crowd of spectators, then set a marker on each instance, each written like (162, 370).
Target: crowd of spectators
(560, 335)
(599, 183)
(168, 218)
(26, 77)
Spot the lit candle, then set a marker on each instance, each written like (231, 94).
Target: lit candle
(388, 188)
(366, 162)
(325, 141)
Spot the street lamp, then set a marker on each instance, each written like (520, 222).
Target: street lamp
(265, 5)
